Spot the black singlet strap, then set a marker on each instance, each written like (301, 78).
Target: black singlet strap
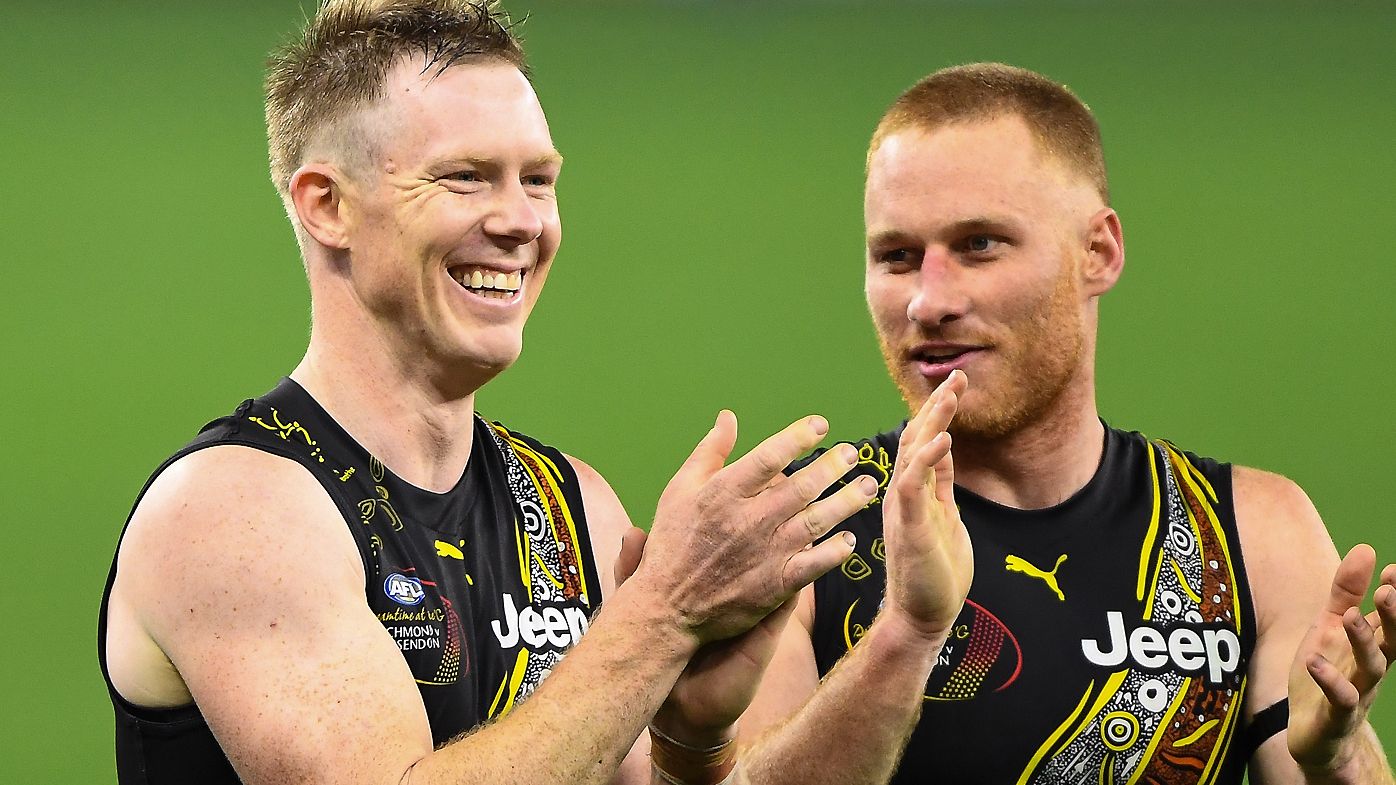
(1267, 722)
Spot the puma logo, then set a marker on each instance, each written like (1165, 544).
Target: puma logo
(1017, 564)
(447, 550)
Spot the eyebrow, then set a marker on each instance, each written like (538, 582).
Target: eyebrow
(553, 158)
(978, 223)
(547, 159)
(982, 222)
(890, 237)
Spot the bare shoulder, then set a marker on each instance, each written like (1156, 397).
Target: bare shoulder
(1289, 559)
(220, 538)
(1276, 520)
(607, 521)
(238, 568)
(230, 510)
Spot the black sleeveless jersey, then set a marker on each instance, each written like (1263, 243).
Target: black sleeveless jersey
(1105, 639)
(482, 588)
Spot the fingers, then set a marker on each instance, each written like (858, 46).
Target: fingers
(911, 433)
(815, 520)
(940, 415)
(919, 474)
(807, 565)
(933, 417)
(805, 485)
(1351, 580)
(1368, 661)
(1385, 599)
(711, 453)
(1340, 692)
(945, 476)
(632, 547)
(752, 472)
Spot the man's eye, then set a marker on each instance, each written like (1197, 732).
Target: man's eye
(981, 243)
(896, 256)
(538, 180)
(464, 176)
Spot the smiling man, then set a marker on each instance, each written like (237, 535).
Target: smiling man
(1137, 613)
(356, 579)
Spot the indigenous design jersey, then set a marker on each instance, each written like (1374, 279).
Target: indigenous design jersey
(482, 587)
(1103, 640)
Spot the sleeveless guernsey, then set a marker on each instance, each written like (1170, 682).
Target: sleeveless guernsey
(1105, 639)
(482, 587)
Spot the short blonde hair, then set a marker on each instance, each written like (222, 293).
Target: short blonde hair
(340, 61)
(1063, 125)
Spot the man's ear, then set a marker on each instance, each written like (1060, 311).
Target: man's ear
(1105, 252)
(316, 192)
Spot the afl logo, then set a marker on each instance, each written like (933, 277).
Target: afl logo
(403, 590)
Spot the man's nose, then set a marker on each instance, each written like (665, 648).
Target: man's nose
(514, 218)
(940, 290)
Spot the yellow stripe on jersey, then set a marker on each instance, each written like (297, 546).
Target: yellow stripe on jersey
(499, 693)
(553, 485)
(1233, 710)
(1050, 744)
(521, 542)
(1152, 533)
(1197, 734)
(1220, 534)
(1183, 581)
(1107, 691)
(515, 679)
(1161, 730)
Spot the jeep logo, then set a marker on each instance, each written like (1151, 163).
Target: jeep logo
(1185, 648)
(547, 627)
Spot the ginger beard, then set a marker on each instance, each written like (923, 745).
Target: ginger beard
(1037, 351)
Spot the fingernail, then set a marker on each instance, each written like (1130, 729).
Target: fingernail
(867, 484)
(848, 453)
(849, 538)
(819, 424)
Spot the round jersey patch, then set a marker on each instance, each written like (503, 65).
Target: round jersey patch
(403, 590)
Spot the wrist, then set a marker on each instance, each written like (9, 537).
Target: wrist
(680, 763)
(659, 624)
(1347, 773)
(1355, 760)
(894, 632)
(671, 722)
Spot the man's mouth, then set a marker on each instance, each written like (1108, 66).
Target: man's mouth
(487, 282)
(937, 360)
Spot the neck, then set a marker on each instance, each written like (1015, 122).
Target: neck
(421, 430)
(1041, 464)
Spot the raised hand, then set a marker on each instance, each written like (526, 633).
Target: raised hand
(722, 677)
(930, 563)
(730, 543)
(1340, 665)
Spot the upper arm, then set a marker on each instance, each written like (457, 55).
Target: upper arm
(238, 565)
(1289, 560)
(607, 525)
(607, 522)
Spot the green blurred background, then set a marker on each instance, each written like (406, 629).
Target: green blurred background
(712, 205)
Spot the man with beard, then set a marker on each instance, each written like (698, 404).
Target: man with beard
(354, 578)
(1136, 611)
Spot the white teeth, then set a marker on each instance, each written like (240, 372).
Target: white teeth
(505, 283)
